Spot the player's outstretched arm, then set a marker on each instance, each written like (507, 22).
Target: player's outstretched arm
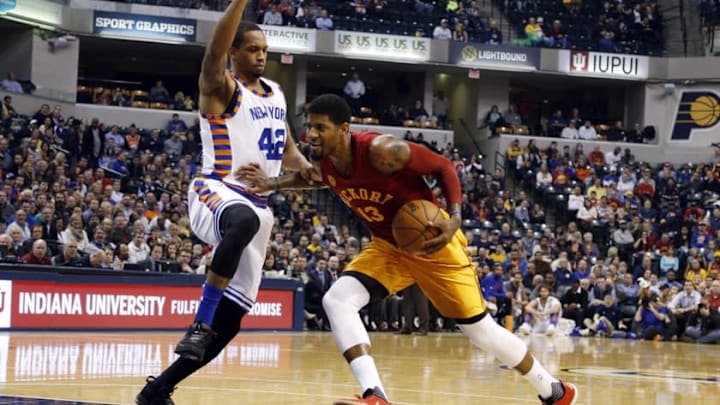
(213, 78)
(259, 183)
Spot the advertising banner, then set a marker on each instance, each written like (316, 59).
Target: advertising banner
(7, 5)
(289, 39)
(5, 303)
(696, 117)
(494, 56)
(74, 356)
(610, 65)
(381, 46)
(49, 305)
(149, 27)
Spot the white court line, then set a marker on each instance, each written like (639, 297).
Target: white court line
(58, 399)
(255, 390)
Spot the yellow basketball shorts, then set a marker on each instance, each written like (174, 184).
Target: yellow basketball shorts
(448, 277)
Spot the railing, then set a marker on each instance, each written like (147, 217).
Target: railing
(469, 134)
(708, 21)
(683, 26)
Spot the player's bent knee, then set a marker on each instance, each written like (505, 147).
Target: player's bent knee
(347, 294)
(239, 224)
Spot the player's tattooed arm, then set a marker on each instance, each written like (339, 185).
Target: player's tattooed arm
(258, 182)
(389, 154)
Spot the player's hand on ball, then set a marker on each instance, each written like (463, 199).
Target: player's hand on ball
(447, 229)
(255, 178)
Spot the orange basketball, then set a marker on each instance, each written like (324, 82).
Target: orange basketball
(410, 225)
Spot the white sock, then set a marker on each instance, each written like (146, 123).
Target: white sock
(366, 374)
(540, 379)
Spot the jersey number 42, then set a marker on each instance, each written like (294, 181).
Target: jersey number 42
(272, 144)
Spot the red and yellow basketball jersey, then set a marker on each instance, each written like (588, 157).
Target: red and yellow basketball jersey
(374, 196)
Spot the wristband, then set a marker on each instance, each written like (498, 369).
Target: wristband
(455, 211)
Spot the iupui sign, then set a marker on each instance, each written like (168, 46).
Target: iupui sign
(604, 64)
(50, 305)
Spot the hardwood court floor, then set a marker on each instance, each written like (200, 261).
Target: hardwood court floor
(304, 368)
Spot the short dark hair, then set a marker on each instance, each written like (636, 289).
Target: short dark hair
(243, 27)
(335, 107)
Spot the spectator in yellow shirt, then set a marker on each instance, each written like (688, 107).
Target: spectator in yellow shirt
(598, 188)
(694, 269)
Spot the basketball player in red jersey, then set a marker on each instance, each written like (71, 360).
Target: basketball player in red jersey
(376, 175)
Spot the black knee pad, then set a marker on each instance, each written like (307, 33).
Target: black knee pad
(239, 219)
(238, 226)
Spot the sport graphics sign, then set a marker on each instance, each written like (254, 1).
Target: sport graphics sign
(383, 47)
(698, 112)
(289, 39)
(494, 56)
(144, 26)
(50, 305)
(599, 64)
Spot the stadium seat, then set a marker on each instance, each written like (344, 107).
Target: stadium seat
(366, 111)
(522, 130)
(504, 130)
(139, 95)
(84, 94)
(158, 106)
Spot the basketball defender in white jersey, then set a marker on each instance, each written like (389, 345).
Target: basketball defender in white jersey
(243, 122)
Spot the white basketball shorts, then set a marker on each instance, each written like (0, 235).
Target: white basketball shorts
(207, 200)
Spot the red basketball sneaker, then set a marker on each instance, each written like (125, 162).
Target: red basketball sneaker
(373, 396)
(568, 396)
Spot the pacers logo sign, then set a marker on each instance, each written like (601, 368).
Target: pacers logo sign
(697, 110)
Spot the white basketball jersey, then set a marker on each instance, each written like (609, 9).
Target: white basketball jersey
(254, 132)
(551, 302)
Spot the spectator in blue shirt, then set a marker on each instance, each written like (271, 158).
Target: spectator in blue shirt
(493, 285)
(515, 260)
(10, 84)
(176, 125)
(653, 320)
(493, 289)
(323, 22)
(700, 237)
(582, 271)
